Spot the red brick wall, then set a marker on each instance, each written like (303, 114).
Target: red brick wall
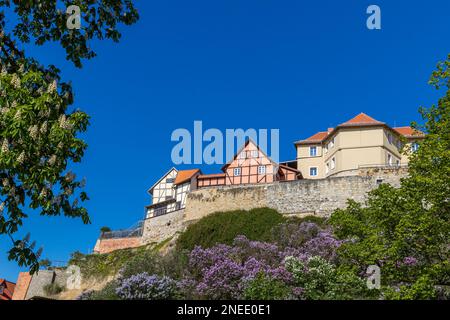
(108, 245)
(22, 284)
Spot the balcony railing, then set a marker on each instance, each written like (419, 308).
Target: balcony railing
(134, 231)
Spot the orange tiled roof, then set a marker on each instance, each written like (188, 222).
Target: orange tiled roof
(316, 138)
(361, 119)
(319, 136)
(409, 132)
(185, 175)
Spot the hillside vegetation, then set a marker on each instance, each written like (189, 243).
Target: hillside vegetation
(224, 227)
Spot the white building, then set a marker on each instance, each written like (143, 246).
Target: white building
(169, 193)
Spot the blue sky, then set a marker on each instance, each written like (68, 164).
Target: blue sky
(299, 66)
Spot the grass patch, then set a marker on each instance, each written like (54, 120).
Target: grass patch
(223, 227)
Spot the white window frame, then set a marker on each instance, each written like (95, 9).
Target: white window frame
(327, 167)
(311, 153)
(261, 170)
(414, 146)
(317, 171)
(237, 171)
(333, 163)
(331, 144)
(255, 154)
(390, 159)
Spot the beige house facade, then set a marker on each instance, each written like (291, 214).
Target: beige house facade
(357, 143)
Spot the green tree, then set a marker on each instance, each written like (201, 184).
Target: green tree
(45, 263)
(105, 229)
(406, 230)
(39, 131)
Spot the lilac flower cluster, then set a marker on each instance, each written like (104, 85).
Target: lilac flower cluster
(407, 262)
(85, 295)
(143, 286)
(225, 271)
(222, 272)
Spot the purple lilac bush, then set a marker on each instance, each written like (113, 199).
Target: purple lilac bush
(222, 271)
(226, 271)
(143, 286)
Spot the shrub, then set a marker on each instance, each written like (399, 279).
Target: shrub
(147, 287)
(107, 293)
(52, 289)
(173, 264)
(422, 289)
(100, 266)
(263, 287)
(223, 227)
(320, 280)
(85, 295)
(222, 271)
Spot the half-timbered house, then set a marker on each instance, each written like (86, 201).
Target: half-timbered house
(250, 165)
(170, 191)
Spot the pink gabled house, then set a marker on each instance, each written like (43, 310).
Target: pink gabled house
(250, 165)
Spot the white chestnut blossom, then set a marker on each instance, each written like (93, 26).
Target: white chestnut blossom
(15, 81)
(34, 130)
(21, 157)
(5, 146)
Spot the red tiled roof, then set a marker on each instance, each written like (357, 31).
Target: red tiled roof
(409, 132)
(361, 119)
(8, 289)
(185, 175)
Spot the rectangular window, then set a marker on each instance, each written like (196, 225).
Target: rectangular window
(170, 180)
(390, 139)
(325, 148)
(331, 144)
(242, 155)
(389, 159)
(327, 168)
(261, 169)
(237, 172)
(254, 153)
(333, 163)
(313, 151)
(414, 146)
(313, 171)
(397, 162)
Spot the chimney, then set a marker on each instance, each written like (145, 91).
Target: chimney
(329, 130)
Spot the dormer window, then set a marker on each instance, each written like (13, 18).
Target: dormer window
(313, 151)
